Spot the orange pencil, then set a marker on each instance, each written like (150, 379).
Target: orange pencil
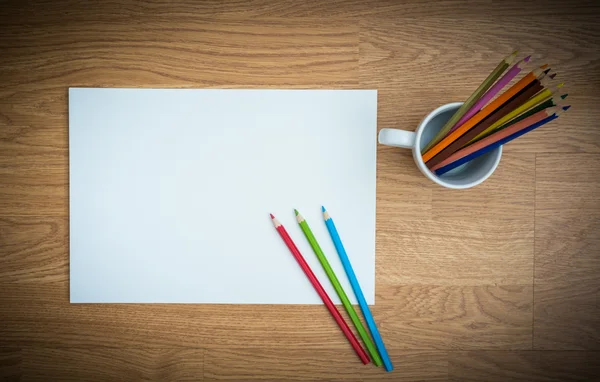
(484, 113)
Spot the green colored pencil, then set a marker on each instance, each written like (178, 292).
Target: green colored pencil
(485, 85)
(339, 290)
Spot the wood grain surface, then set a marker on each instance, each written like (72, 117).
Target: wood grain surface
(495, 283)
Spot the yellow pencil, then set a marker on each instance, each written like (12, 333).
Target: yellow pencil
(542, 96)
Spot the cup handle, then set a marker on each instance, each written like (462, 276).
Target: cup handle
(397, 138)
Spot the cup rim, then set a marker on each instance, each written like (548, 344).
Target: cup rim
(425, 170)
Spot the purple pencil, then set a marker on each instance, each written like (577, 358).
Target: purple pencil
(487, 97)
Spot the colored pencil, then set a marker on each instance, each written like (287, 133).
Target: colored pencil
(338, 288)
(555, 101)
(539, 98)
(485, 85)
(543, 114)
(487, 97)
(484, 113)
(319, 288)
(501, 142)
(339, 246)
(517, 100)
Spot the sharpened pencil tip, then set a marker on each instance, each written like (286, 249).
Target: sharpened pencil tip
(296, 212)
(526, 59)
(547, 71)
(323, 209)
(276, 222)
(552, 77)
(560, 85)
(565, 108)
(515, 53)
(564, 95)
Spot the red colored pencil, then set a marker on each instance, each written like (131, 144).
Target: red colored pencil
(319, 288)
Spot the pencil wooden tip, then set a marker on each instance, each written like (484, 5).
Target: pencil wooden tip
(299, 217)
(510, 59)
(538, 72)
(276, 222)
(558, 101)
(561, 110)
(552, 110)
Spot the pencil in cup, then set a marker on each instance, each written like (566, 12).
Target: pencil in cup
(495, 89)
(338, 288)
(339, 246)
(501, 142)
(485, 85)
(319, 288)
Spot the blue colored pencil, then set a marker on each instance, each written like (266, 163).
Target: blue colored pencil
(387, 363)
(496, 144)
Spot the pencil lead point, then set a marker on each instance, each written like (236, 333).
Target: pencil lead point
(296, 212)
(564, 95)
(565, 108)
(526, 59)
(552, 77)
(272, 217)
(323, 209)
(560, 85)
(547, 71)
(515, 52)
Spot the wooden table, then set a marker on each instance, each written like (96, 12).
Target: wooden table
(495, 283)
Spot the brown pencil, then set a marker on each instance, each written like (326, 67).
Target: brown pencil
(512, 104)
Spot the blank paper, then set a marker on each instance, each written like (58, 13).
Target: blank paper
(171, 190)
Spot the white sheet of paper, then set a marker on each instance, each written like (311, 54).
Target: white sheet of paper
(171, 190)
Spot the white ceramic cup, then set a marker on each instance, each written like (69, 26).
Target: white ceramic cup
(468, 175)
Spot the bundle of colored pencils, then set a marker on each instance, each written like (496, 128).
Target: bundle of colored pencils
(489, 119)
